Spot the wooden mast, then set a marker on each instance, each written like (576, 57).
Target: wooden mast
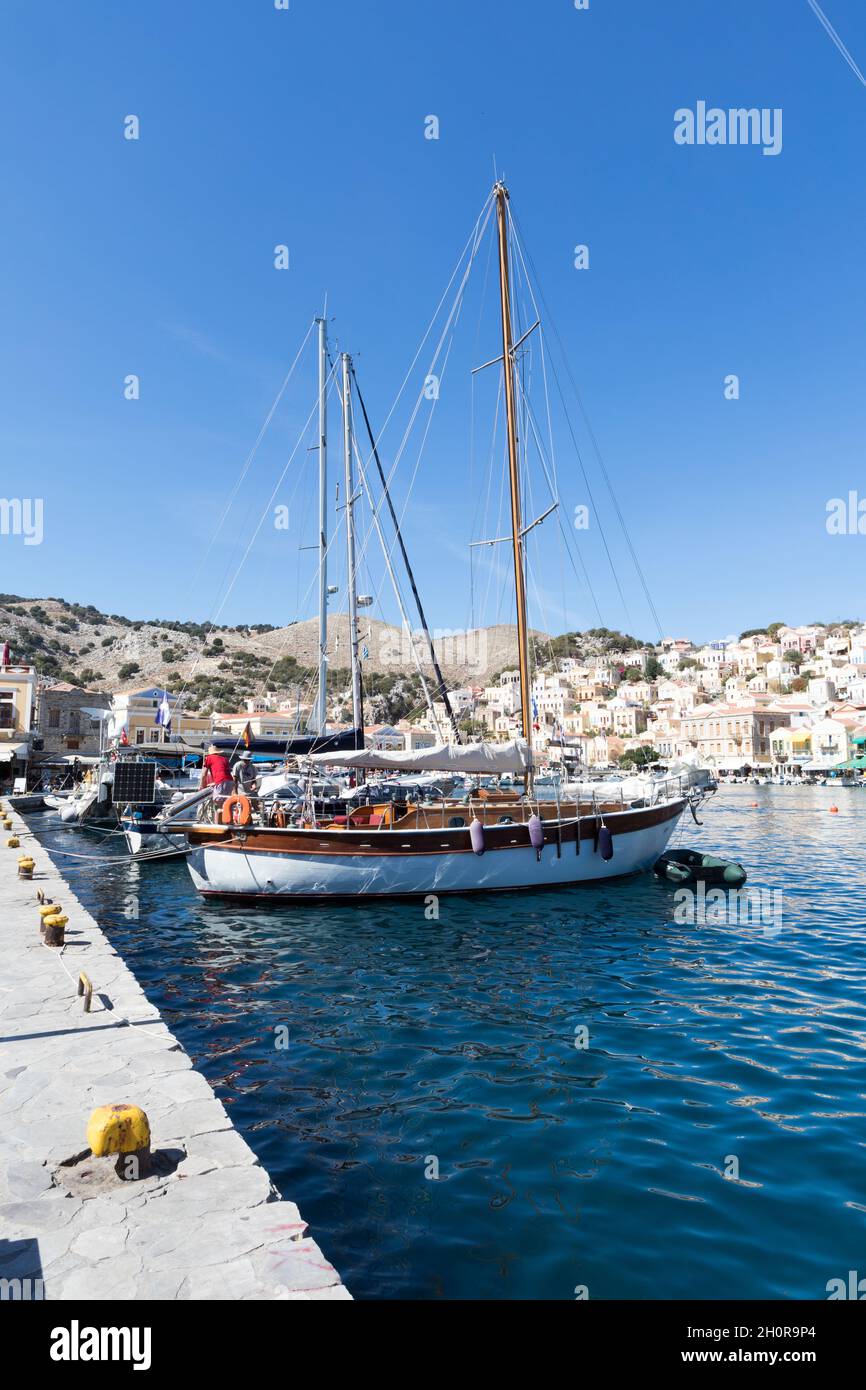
(501, 194)
(320, 715)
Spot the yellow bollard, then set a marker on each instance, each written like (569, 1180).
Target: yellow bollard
(48, 910)
(124, 1130)
(26, 865)
(13, 842)
(54, 928)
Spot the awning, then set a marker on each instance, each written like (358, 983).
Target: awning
(490, 758)
(8, 751)
(852, 765)
(62, 759)
(801, 736)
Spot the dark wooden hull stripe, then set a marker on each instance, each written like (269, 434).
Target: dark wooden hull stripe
(436, 841)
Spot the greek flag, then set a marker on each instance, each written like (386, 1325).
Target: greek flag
(163, 714)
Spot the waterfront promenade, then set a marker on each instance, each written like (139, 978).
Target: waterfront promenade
(207, 1223)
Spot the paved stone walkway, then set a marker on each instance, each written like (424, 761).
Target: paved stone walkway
(214, 1227)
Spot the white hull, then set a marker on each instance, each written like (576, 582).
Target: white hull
(77, 807)
(150, 845)
(246, 873)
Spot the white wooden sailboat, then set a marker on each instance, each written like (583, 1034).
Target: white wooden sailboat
(494, 841)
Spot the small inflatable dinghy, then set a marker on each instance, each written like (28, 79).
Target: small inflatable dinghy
(690, 866)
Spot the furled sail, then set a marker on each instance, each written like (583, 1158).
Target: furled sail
(490, 758)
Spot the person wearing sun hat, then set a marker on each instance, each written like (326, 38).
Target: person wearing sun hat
(246, 783)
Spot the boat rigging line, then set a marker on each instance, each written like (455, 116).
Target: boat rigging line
(442, 689)
(528, 262)
(265, 512)
(249, 459)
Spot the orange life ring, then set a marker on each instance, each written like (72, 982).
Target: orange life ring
(244, 811)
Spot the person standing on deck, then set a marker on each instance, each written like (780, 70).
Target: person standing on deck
(216, 773)
(245, 781)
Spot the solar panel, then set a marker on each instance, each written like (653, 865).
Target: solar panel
(134, 781)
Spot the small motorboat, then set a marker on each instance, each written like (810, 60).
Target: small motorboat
(26, 801)
(691, 866)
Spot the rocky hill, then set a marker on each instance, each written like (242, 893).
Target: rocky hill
(221, 666)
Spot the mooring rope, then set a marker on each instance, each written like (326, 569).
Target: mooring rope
(101, 859)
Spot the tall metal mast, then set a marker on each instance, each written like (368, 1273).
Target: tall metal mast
(322, 700)
(501, 195)
(357, 715)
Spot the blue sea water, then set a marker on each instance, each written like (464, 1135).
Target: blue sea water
(708, 1141)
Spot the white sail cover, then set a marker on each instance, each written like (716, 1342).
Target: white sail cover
(490, 758)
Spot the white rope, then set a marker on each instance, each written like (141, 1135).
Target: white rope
(597, 451)
(397, 593)
(554, 485)
(265, 512)
(331, 377)
(822, 18)
(448, 329)
(488, 203)
(100, 858)
(251, 455)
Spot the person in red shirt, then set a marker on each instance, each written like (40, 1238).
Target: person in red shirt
(217, 773)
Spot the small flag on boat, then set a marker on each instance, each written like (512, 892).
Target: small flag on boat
(535, 723)
(124, 737)
(163, 714)
(365, 653)
(247, 735)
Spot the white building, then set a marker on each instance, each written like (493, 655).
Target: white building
(822, 691)
(829, 743)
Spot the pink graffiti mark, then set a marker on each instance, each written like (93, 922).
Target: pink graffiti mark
(303, 1259)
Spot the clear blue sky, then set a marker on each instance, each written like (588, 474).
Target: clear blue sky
(261, 127)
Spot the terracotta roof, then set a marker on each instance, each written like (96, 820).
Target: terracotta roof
(723, 711)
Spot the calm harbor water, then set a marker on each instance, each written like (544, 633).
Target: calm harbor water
(708, 1142)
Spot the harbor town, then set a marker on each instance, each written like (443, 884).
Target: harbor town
(786, 703)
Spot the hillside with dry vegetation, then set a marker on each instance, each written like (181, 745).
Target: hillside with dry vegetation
(220, 667)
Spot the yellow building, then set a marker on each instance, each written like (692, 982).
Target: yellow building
(17, 703)
(263, 724)
(136, 711)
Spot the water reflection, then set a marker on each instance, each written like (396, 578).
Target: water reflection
(454, 1047)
